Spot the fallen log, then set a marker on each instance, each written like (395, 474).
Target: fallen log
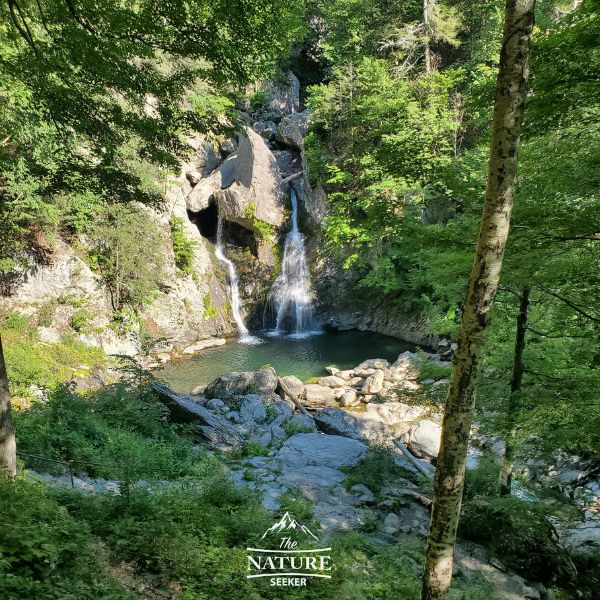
(424, 500)
(293, 397)
(184, 409)
(415, 462)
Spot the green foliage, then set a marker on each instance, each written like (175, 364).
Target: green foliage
(292, 428)
(29, 361)
(127, 247)
(521, 535)
(182, 246)
(210, 311)
(259, 100)
(265, 230)
(45, 553)
(116, 432)
(484, 479)
(80, 319)
(377, 469)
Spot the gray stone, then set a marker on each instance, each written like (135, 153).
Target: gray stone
(293, 384)
(379, 422)
(391, 524)
(332, 381)
(312, 477)
(317, 449)
(237, 383)
(256, 191)
(253, 409)
(304, 422)
(216, 404)
(317, 396)
(234, 416)
(266, 129)
(374, 363)
(339, 517)
(365, 495)
(288, 161)
(349, 398)
(374, 383)
(292, 129)
(583, 540)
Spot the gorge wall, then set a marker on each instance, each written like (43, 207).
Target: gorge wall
(246, 180)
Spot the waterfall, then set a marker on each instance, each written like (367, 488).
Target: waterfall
(236, 303)
(290, 296)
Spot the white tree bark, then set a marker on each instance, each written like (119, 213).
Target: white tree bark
(483, 282)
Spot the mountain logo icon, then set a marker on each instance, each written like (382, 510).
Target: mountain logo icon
(288, 523)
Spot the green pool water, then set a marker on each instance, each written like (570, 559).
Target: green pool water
(304, 358)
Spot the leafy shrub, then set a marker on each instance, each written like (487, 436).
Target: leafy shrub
(46, 365)
(484, 479)
(259, 100)
(127, 249)
(210, 312)
(44, 552)
(182, 246)
(117, 432)
(79, 320)
(520, 534)
(292, 428)
(377, 469)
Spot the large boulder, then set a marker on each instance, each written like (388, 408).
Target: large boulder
(424, 439)
(373, 383)
(256, 191)
(284, 95)
(318, 396)
(317, 449)
(583, 540)
(404, 368)
(253, 409)
(207, 156)
(379, 423)
(332, 381)
(239, 383)
(292, 129)
(203, 191)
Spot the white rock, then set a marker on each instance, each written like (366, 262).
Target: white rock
(424, 439)
(332, 381)
(374, 383)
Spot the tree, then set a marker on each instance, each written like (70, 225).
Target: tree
(8, 446)
(509, 101)
(515, 388)
(126, 247)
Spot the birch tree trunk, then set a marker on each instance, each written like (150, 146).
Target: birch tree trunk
(427, 6)
(515, 388)
(8, 447)
(483, 282)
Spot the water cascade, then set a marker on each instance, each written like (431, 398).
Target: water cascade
(290, 295)
(244, 334)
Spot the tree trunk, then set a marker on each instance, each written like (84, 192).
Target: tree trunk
(515, 388)
(8, 446)
(483, 283)
(427, 6)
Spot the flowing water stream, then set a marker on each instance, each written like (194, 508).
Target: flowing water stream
(290, 297)
(236, 303)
